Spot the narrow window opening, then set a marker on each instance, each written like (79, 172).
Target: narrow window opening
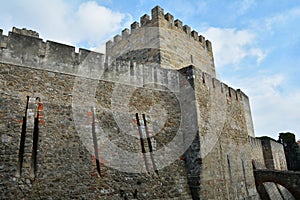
(135, 194)
(192, 61)
(142, 141)
(131, 69)
(164, 76)
(155, 75)
(95, 142)
(229, 169)
(149, 144)
(35, 141)
(22, 142)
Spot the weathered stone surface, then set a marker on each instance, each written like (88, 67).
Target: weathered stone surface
(273, 155)
(65, 167)
(167, 43)
(288, 179)
(161, 69)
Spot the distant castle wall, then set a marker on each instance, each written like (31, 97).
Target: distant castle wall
(25, 48)
(274, 155)
(162, 40)
(256, 153)
(269, 154)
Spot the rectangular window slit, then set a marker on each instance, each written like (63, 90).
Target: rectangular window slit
(22, 142)
(95, 142)
(203, 77)
(131, 69)
(35, 141)
(149, 144)
(155, 75)
(229, 169)
(142, 141)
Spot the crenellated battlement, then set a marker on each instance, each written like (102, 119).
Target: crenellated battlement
(254, 141)
(161, 20)
(214, 85)
(157, 77)
(26, 32)
(168, 42)
(24, 47)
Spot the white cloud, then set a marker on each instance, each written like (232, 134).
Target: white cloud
(231, 46)
(284, 18)
(258, 53)
(243, 6)
(88, 23)
(34, 14)
(273, 111)
(100, 48)
(95, 21)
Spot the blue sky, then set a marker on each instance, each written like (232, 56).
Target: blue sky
(256, 44)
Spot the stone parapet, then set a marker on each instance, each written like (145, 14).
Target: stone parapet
(23, 47)
(26, 32)
(159, 19)
(176, 45)
(274, 155)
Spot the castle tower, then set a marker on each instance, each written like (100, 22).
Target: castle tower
(157, 125)
(164, 41)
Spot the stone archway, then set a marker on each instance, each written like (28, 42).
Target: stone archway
(288, 179)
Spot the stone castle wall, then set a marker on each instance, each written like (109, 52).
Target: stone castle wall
(224, 147)
(274, 155)
(65, 167)
(279, 156)
(131, 78)
(257, 153)
(22, 47)
(269, 154)
(60, 144)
